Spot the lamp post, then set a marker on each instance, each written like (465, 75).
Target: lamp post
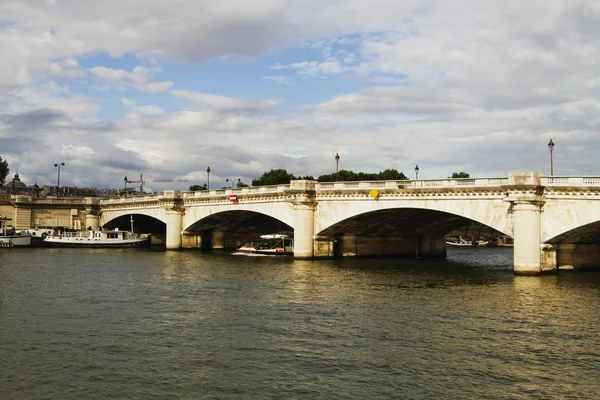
(233, 181)
(208, 177)
(337, 164)
(551, 147)
(62, 164)
(417, 172)
(125, 183)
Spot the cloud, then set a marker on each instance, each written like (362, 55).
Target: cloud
(128, 102)
(140, 78)
(206, 101)
(66, 68)
(472, 86)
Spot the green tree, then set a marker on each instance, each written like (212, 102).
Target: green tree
(459, 175)
(242, 184)
(348, 176)
(273, 177)
(392, 175)
(195, 188)
(4, 170)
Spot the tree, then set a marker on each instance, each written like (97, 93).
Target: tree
(273, 177)
(4, 170)
(348, 176)
(392, 175)
(195, 188)
(459, 175)
(242, 184)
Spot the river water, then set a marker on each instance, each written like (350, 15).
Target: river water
(144, 324)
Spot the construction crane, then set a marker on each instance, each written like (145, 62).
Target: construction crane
(141, 182)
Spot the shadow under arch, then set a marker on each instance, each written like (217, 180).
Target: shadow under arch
(141, 224)
(226, 229)
(398, 222)
(585, 234)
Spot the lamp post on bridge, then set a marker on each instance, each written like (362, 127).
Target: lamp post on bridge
(337, 164)
(208, 177)
(417, 172)
(551, 148)
(62, 164)
(125, 182)
(233, 181)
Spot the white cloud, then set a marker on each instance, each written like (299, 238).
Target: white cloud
(206, 101)
(140, 78)
(479, 86)
(128, 102)
(66, 68)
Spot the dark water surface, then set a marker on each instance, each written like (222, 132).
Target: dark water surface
(138, 324)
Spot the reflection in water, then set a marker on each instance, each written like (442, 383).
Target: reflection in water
(132, 324)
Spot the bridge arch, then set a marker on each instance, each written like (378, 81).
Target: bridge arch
(585, 234)
(280, 211)
(492, 213)
(571, 220)
(108, 215)
(239, 221)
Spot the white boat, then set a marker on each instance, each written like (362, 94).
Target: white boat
(272, 244)
(99, 239)
(11, 238)
(460, 242)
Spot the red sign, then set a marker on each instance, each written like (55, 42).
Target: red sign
(233, 198)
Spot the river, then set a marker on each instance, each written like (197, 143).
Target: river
(146, 324)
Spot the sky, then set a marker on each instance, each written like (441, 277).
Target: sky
(166, 89)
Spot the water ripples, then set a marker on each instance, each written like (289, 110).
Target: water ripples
(150, 325)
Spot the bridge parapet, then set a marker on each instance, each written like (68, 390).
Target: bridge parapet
(243, 190)
(571, 181)
(131, 199)
(410, 184)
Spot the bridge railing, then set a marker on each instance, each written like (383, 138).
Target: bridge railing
(408, 184)
(242, 190)
(570, 181)
(130, 199)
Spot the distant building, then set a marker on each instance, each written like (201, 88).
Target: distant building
(16, 186)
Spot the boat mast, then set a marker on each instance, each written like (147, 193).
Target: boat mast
(131, 219)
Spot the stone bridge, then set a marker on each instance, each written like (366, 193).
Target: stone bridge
(554, 221)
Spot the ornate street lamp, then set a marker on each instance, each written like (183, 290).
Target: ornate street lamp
(337, 164)
(417, 171)
(208, 177)
(551, 148)
(233, 181)
(125, 182)
(62, 164)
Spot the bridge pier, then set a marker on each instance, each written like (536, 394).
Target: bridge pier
(174, 226)
(429, 246)
(366, 246)
(525, 194)
(304, 217)
(304, 230)
(527, 251)
(92, 211)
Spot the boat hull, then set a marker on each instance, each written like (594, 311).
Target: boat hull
(468, 244)
(98, 244)
(268, 252)
(15, 241)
